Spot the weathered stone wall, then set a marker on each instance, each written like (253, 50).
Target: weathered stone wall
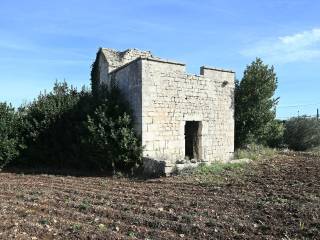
(111, 60)
(170, 97)
(163, 97)
(103, 69)
(123, 67)
(128, 79)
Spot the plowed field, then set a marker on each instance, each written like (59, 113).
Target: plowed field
(271, 199)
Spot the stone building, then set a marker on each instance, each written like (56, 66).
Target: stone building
(181, 118)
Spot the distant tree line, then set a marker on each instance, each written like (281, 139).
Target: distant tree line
(255, 116)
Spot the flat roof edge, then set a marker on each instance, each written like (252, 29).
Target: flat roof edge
(163, 61)
(218, 69)
(125, 65)
(148, 59)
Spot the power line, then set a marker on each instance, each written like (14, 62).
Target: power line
(304, 116)
(298, 105)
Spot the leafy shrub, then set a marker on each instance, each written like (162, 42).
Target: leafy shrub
(52, 127)
(70, 129)
(9, 140)
(113, 142)
(66, 128)
(302, 133)
(274, 134)
(218, 167)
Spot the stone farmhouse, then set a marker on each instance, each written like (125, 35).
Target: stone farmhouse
(182, 119)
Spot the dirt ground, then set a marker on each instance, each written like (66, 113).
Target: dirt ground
(271, 199)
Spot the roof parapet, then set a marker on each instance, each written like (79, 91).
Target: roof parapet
(148, 59)
(204, 68)
(163, 60)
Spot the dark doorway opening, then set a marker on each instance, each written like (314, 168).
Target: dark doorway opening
(192, 131)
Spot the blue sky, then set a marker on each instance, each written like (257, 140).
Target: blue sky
(41, 41)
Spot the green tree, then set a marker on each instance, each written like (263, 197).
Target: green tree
(51, 127)
(66, 128)
(255, 105)
(302, 133)
(9, 139)
(95, 75)
(111, 139)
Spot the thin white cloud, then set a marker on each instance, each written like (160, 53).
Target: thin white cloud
(303, 46)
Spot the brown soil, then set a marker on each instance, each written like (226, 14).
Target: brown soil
(271, 199)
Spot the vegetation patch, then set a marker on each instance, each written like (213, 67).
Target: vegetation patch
(9, 139)
(255, 152)
(70, 129)
(218, 168)
(302, 133)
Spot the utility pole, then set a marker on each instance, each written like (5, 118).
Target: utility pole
(317, 113)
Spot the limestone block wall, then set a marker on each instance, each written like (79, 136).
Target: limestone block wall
(129, 80)
(222, 126)
(163, 97)
(170, 97)
(103, 69)
(110, 60)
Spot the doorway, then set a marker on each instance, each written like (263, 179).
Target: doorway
(192, 133)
